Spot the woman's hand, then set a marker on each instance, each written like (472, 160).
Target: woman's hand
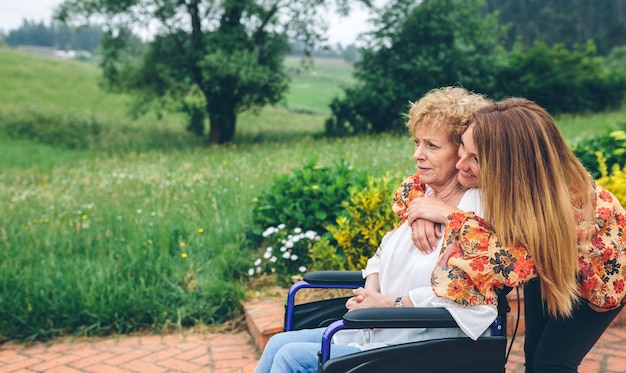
(428, 208)
(424, 215)
(424, 234)
(366, 298)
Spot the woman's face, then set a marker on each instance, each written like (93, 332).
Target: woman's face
(436, 157)
(469, 171)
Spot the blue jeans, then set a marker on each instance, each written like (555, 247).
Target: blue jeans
(559, 345)
(296, 351)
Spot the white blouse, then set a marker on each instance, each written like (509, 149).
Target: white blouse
(405, 270)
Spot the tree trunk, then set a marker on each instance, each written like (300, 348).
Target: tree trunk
(222, 125)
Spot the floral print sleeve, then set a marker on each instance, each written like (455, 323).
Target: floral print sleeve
(603, 263)
(473, 264)
(409, 189)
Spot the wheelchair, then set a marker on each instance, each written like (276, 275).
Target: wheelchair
(459, 355)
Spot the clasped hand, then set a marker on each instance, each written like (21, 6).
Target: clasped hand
(367, 298)
(425, 215)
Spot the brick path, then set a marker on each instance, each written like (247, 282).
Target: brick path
(217, 352)
(211, 352)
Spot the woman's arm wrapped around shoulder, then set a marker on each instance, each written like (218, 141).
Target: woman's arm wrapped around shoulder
(410, 189)
(473, 263)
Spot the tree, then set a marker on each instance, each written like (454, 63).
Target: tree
(58, 36)
(224, 56)
(413, 49)
(564, 22)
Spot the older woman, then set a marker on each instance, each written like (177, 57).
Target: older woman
(542, 204)
(398, 275)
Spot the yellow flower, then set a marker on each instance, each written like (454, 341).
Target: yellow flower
(84, 217)
(182, 244)
(200, 230)
(183, 255)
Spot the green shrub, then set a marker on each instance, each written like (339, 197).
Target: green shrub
(63, 130)
(612, 144)
(561, 80)
(358, 231)
(309, 197)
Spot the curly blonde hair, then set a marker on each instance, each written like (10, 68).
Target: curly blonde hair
(447, 108)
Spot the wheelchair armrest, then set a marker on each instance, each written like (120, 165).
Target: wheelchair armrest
(335, 277)
(387, 317)
(407, 317)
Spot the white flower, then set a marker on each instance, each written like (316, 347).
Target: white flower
(297, 230)
(258, 269)
(289, 244)
(139, 211)
(267, 255)
(269, 249)
(268, 231)
(273, 259)
(257, 262)
(294, 257)
(311, 235)
(251, 272)
(283, 249)
(302, 269)
(286, 255)
(295, 239)
(281, 226)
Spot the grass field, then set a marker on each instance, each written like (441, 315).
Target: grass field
(148, 229)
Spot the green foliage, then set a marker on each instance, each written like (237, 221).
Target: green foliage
(562, 22)
(560, 80)
(417, 48)
(308, 197)
(612, 144)
(327, 256)
(359, 230)
(69, 131)
(284, 253)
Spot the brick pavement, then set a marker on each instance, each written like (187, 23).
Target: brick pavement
(223, 352)
(208, 352)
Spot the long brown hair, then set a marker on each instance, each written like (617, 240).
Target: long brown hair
(535, 192)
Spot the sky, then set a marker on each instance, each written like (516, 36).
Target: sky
(13, 12)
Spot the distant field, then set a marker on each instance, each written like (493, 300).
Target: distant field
(313, 88)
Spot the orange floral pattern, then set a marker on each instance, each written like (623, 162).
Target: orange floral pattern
(473, 264)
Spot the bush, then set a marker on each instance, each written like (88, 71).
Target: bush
(612, 143)
(310, 197)
(358, 231)
(68, 130)
(560, 80)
